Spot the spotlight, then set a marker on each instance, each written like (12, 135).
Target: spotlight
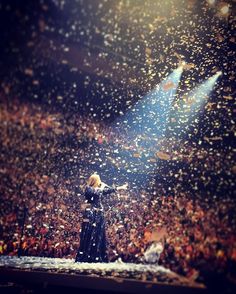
(182, 64)
(150, 114)
(188, 109)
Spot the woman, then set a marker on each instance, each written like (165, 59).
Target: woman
(92, 237)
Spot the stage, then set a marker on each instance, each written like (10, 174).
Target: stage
(44, 273)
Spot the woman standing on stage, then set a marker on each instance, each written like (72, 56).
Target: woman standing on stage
(93, 236)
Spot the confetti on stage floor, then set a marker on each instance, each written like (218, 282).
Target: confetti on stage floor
(116, 270)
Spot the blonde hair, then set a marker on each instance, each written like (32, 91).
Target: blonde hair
(94, 181)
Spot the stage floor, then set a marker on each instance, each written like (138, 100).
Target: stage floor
(118, 272)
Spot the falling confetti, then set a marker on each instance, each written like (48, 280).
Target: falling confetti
(84, 89)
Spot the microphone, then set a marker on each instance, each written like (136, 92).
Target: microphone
(103, 185)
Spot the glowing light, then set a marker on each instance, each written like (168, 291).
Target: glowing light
(182, 64)
(224, 9)
(211, 2)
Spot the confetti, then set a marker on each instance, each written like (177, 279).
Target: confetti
(86, 88)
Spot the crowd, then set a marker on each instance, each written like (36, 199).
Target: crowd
(76, 69)
(45, 161)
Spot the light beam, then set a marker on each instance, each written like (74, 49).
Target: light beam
(146, 123)
(186, 114)
(150, 115)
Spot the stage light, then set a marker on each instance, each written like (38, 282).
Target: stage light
(186, 66)
(189, 106)
(146, 122)
(182, 63)
(150, 115)
(214, 78)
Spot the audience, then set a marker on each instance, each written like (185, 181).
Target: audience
(45, 161)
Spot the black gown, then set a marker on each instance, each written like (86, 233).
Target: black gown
(93, 237)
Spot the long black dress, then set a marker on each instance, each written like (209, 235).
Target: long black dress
(92, 237)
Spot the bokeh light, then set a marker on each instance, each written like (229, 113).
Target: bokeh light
(224, 9)
(211, 2)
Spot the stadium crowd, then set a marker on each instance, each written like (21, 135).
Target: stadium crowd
(45, 161)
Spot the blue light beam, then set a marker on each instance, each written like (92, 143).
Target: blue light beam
(188, 108)
(150, 115)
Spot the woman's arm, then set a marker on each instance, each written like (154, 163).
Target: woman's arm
(106, 189)
(123, 187)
